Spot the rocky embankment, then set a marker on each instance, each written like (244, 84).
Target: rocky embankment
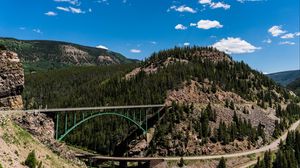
(15, 141)
(11, 80)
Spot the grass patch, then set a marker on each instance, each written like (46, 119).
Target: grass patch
(10, 139)
(252, 156)
(23, 135)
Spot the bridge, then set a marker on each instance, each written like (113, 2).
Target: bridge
(71, 118)
(122, 111)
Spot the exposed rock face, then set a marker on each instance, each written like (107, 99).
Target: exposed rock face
(11, 80)
(74, 55)
(106, 60)
(42, 127)
(200, 95)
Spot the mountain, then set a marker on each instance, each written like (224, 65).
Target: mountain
(295, 86)
(44, 54)
(217, 105)
(285, 77)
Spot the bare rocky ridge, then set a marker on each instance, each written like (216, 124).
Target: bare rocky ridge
(11, 80)
(74, 55)
(104, 59)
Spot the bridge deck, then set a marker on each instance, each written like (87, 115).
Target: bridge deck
(84, 108)
(128, 159)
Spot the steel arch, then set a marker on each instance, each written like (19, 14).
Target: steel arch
(97, 115)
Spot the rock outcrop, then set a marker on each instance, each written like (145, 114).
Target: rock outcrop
(11, 80)
(42, 127)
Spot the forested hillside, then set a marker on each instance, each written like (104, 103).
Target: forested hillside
(288, 154)
(286, 77)
(38, 55)
(203, 84)
(295, 86)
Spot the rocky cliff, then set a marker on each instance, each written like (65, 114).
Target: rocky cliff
(11, 80)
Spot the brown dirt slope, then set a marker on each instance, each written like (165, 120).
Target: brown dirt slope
(16, 143)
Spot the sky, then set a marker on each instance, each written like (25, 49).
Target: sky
(263, 33)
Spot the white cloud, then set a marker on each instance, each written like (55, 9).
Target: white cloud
(269, 41)
(186, 44)
(276, 31)
(205, 1)
(90, 10)
(219, 5)
(193, 24)
(76, 10)
(37, 31)
(63, 9)
(233, 45)
(214, 5)
(135, 51)
(72, 9)
(102, 47)
(183, 8)
(286, 43)
(290, 35)
(153, 42)
(22, 28)
(50, 13)
(180, 27)
(208, 24)
(73, 2)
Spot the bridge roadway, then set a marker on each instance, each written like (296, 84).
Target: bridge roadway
(272, 146)
(82, 109)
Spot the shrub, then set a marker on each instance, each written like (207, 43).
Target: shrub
(181, 163)
(2, 47)
(31, 160)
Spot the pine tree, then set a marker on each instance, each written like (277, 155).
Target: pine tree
(257, 163)
(268, 159)
(222, 163)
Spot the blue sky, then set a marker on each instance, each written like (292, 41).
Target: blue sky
(263, 33)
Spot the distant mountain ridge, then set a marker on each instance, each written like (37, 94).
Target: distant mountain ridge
(285, 77)
(47, 54)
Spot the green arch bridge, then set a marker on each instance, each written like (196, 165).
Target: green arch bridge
(138, 115)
